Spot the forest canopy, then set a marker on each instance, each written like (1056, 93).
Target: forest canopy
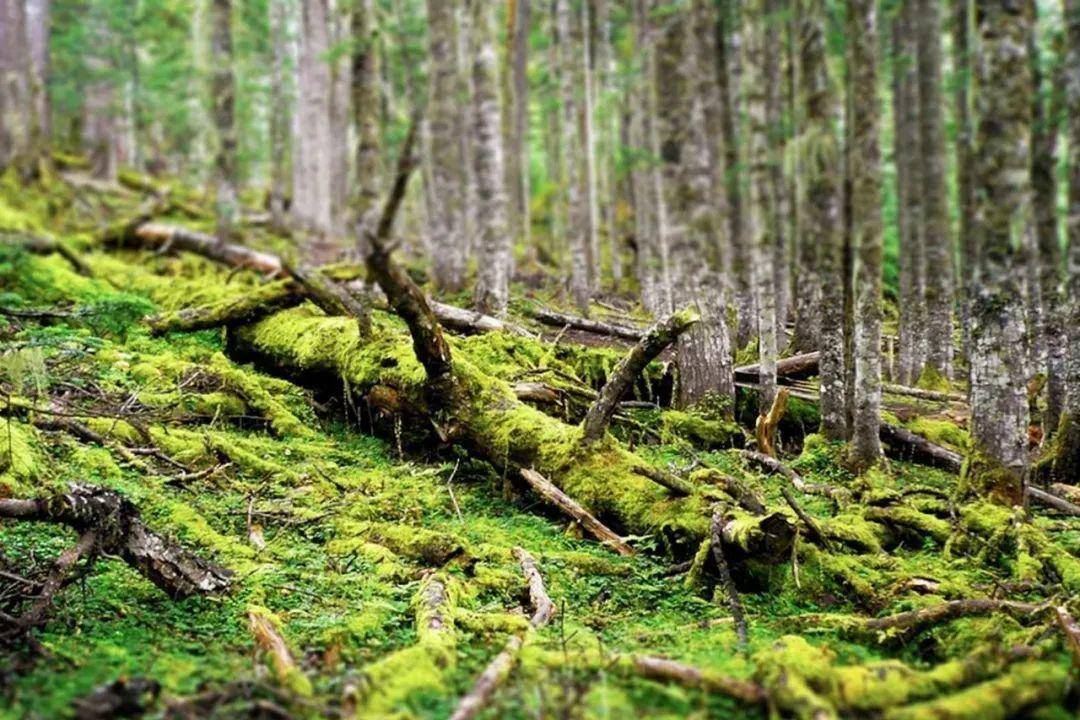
(540, 359)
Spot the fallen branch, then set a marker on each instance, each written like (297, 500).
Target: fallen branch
(811, 525)
(268, 637)
(765, 426)
(664, 670)
(582, 516)
(499, 668)
(914, 620)
(163, 238)
(622, 378)
(920, 394)
(671, 481)
(727, 583)
(796, 366)
(176, 571)
(1051, 500)
(558, 319)
(44, 246)
(331, 297)
(1071, 629)
(245, 308)
(909, 446)
(772, 465)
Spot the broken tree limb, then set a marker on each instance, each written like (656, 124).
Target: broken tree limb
(84, 547)
(622, 378)
(162, 238)
(1071, 629)
(796, 366)
(1051, 500)
(472, 322)
(772, 465)
(331, 297)
(558, 319)
(571, 507)
(671, 481)
(909, 446)
(727, 583)
(915, 620)
(920, 394)
(43, 246)
(176, 571)
(267, 634)
(811, 525)
(765, 426)
(499, 668)
(664, 670)
(243, 308)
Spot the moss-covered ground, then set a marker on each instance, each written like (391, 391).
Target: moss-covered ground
(333, 531)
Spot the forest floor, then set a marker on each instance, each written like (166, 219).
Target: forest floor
(374, 571)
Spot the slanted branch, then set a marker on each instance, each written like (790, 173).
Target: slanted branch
(655, 340)
(571, 507)
(562, 320)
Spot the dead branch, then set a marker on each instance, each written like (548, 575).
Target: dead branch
(163, 238)
(246, 308)
(499, 668)
(44, 246)
(1071, 629)
(796, 366)
(571, 507)
(652, 343)
(765, 427)
(119, 530)
(811, 525)
(671, 481)
(727, 583)
(331, 297)
(909, 446)
(558, 319)
(914, 620)
(772, 465)
(269, 638)
(1052, 500)
(664, 670)
(920, 394)
(473, 322)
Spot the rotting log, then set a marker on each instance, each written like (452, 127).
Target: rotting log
(921, 394)
(572, 508)
(664, 670)
(1071, 629)
(118, 529)
(909, 446)
(242, 308)
(330, 296)
(40, 245)
(622, 378)
(914, 620)
(561, 320)
(499, 668)
(727, 583)
(774, 466)
(160, 237)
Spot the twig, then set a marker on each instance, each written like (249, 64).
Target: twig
(572, 508)
(726, 581)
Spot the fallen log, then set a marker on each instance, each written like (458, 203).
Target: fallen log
(688, 676)
(243, 308)
(580, 515)
(1051, 500)
(794, 367)
(331, 297)
(118, 530)
(43, 246)
(727, 583)
(558, 319)
(499, 668)
(908, 446)
(622, 378)
(920, 394)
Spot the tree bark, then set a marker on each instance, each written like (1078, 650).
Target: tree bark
(16, 96)
(912, 326)
(965, 160)
(937, 235)
(366, 112)
(447, 221)
(999, 407)
(39, 34)
(224, 94)
(494, 251)
(866, 233)
(517, 166)
(279, 115)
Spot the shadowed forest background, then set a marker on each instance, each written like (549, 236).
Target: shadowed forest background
(540, 359)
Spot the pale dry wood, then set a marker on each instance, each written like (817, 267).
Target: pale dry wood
(572, 508)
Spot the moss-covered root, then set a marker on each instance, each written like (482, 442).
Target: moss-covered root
(248, 385)
(801, 679)
(247, 305)
(266, 629)
(389, 681)
(1023, 688)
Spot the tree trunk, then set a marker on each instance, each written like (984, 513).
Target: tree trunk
(19, 129)
(588, 144)
(999, 408)
(822, 211)
(517, 166)
(100, 132)
(937, 235)
(279, 115)
(448, 243)
(912, 326)
(224, 94)
(866, 232)
(761, 220)
(1046, 109)
(965, 171)
(1067, 462)
(39, 32)
(494, 241)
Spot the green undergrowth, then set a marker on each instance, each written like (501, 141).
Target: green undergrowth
(336, 536)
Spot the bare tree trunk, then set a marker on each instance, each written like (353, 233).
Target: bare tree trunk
(517, 166)
(999, 409)
(574, 181)
(16, 98)
(224, 94)
(38, 33)
(648, 265)
(607, 62)
(866, 232)
(448, 241)
(366, 112)
(965, 171)
(312, 175)
(822, 226)
(780, 211)
(728, 49)
(100, 106)
(279, 115)
(494, 247)
(1044, 141)
(588, 141)
(466, 52)
(340, 119)
(912, 326)
(937, 235)
(1067, 462)
(761, 219)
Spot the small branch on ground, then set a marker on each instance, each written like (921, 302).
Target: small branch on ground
(727, 584)
(572, 508)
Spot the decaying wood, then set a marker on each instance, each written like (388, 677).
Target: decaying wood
(794, 367)
(1071, 630)
(561, 320)
(536, 392)
(43, 246)
(499, 668)
(331, 297)
(622, 378)
(163, 238)
(671, 481)
(244, 308)
(664, 670)
(727, 583)
(58, 577)
(914, 620)
(572, 508)
(1051, 500)
(811, 525)
(1066, 492)
(772, 465)
(472, 322)
(916, 448)
(269, 638)
(119, 531)
(765, 426)
(920, 394)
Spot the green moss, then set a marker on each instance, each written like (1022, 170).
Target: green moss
(931, 379)
(21, 463)
(985, 477)
(701, 432)
(942, 432)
